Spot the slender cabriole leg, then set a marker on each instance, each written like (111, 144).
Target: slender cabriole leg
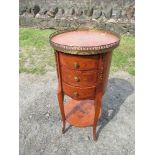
(60, 95)
(99, 93)
(98, 100)
(104, 66)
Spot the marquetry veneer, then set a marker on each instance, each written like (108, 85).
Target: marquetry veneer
(83, 59)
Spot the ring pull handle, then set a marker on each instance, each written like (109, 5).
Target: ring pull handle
(76, 78)
(76, 94)
(76, 65)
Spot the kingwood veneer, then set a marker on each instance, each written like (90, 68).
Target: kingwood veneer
(83, 59)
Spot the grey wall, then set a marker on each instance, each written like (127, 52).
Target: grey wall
(116, 15)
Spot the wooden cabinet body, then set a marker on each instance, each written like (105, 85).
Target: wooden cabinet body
(87, 80)
(83, 77)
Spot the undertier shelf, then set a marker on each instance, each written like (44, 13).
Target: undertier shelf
(80, 113)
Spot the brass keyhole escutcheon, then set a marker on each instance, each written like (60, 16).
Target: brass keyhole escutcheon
(76, 78)
(76, 94)
(76, 65)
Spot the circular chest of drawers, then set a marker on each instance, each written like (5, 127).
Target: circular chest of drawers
(83, 59)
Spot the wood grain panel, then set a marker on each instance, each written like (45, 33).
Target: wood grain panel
(79, 62)
(79, 78)
(78, 92)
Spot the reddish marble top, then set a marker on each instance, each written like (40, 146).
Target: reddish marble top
(86, 38)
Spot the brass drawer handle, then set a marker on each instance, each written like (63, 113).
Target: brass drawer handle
(76, 94)
(76, 78)
(76, 65)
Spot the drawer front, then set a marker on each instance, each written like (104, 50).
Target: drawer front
(79, 93)
(79, 78)
(79, 62)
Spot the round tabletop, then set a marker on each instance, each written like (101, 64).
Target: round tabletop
(84, 42)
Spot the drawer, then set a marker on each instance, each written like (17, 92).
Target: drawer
(79, 62)
(78, 92)
(79, 78)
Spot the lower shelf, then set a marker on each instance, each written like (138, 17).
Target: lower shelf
(80, 113)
